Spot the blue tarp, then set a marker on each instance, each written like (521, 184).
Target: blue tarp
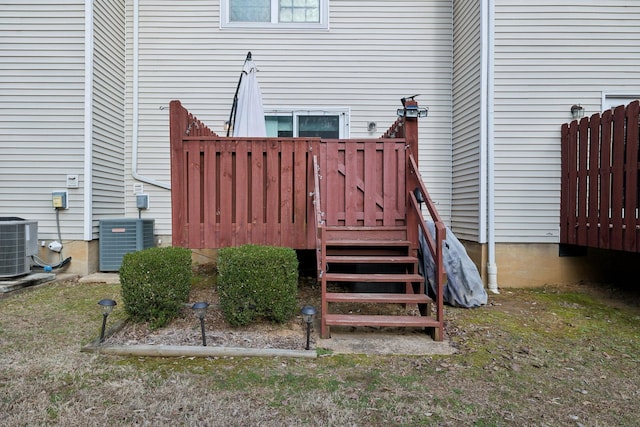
(464, 287)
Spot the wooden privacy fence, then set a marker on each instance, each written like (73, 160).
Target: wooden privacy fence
(599, 191)
(233, 191)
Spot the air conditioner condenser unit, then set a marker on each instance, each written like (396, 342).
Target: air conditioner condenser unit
(18, 242)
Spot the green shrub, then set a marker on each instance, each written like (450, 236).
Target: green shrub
(155, 284)
(257, 281)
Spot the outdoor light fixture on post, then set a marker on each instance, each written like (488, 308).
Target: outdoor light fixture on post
(107, 307)
(200, 309)
(308, 313)
(412, 111)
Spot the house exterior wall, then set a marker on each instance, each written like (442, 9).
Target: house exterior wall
(549, 56)
(42, 112)
(365, 61)
(466, 149)
(108, 189)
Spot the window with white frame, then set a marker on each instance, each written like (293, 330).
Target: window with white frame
(274, 13)
(328, 123)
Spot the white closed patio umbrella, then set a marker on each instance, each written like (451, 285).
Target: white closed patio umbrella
(247, 113)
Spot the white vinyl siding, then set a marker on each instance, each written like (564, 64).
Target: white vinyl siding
(365, 62)
(108, 110)
(548, 57)
(466, 121)
(42, 112)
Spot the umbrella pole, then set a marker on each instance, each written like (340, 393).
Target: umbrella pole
(234, 107)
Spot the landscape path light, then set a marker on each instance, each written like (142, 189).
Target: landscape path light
(107, 306)
(308, 313)
(200, 309)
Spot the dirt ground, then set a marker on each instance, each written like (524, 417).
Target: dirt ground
(185, 329)
(549, 356)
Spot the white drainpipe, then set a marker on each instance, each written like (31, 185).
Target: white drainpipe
(487, 130)
(88, 122)
(136, 104)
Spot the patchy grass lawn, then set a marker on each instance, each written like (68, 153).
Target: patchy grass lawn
(551, 356)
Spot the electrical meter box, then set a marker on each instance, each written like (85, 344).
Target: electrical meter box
(60, 199)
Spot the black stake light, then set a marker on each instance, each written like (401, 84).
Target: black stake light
(107, 306)
(308, 313)
(200, 309)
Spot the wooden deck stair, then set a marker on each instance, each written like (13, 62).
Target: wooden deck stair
(375, 266)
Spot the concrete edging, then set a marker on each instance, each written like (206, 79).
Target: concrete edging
(195, 351)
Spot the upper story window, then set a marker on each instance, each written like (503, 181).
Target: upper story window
(298, 14)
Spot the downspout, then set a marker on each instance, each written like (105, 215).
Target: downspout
(136, 104)
(88, 122)
(487, 136)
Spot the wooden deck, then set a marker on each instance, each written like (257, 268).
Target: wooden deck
(352, 201)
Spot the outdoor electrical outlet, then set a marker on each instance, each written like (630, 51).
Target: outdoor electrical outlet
(60, 199)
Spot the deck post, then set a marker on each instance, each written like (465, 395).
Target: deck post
(411, 137)
(178, 125)
(411, 130)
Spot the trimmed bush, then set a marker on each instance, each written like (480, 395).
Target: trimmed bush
(257, 281)
(155, 284)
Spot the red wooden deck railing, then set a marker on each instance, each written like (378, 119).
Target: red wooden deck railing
(232, 191)
(600, 192)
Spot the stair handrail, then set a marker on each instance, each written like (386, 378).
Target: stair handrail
(436, 244)
(319, 221)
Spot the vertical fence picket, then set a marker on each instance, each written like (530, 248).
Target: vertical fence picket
(286, 192)
(272, 193)
(617, 177)
(593, 175)
(242, 194)
(389, 179)
(583, 154)
(226, 189)
(194, 206)
(370, 182)
(572, 187)
(565, 142)
(210, 195)
(631, 179)
(352, 195)
(605, 180)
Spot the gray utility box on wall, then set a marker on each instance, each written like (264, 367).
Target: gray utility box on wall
(121, 236)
